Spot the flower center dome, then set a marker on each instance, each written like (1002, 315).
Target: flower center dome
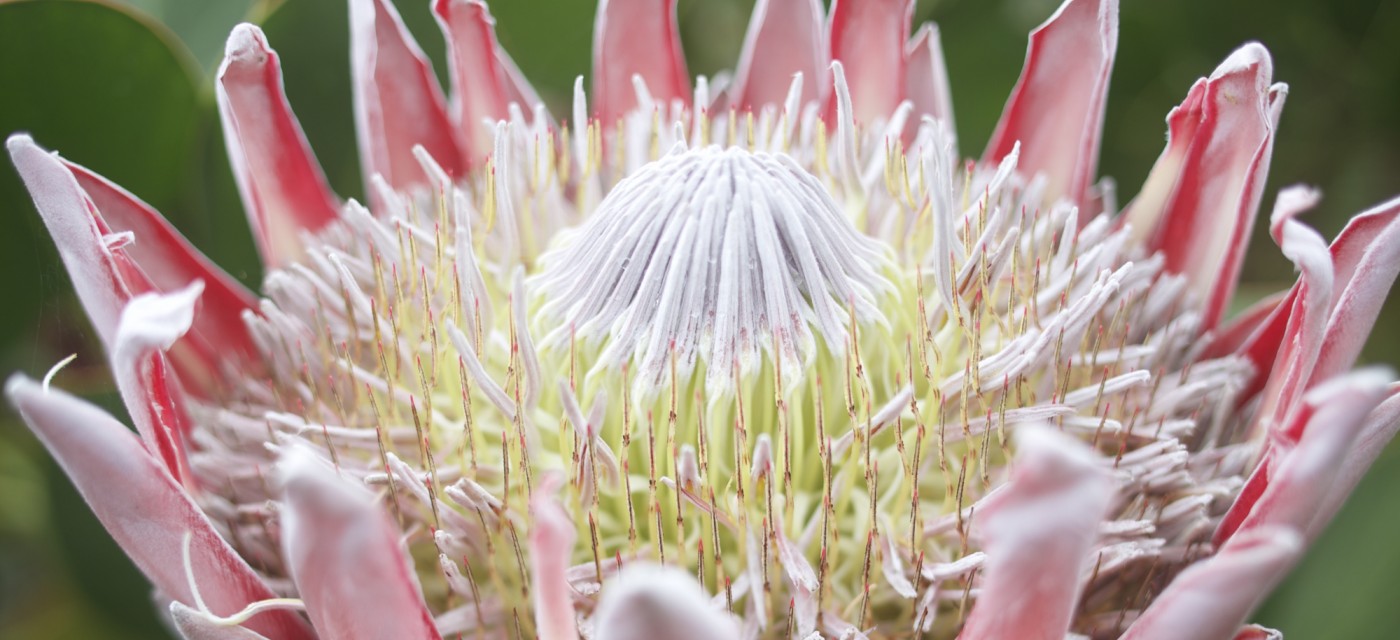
(718, 255)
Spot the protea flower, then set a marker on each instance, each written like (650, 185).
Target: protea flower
(760, 357)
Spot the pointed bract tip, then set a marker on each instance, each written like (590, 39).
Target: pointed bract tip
(1294, 199)
(18, 385)
(1105, 13)
(1052, 451)
(154, 321)
(446, 7)
(1290, 203)
(246, 44)
(17, 141)
(657, 601)
(308, 480)
(295, 462)
(1251, 54)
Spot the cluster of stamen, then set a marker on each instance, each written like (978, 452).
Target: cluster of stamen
(824, 475)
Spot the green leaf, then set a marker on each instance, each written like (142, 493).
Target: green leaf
(202, 24)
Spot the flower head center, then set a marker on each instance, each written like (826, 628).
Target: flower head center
(717, 255)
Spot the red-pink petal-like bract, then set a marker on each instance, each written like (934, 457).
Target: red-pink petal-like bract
(551, 539)
(926, 75)
(106, 279)
(143, 508)
(1056, 110)
(167, 261)
(1302, 475)
(785, 38)
(345, 557)
(868, 37)
(1211, 599)
(480, 81)
(283, 187)
(398, 103)
(1039, 533)
(1204, 192)
(636, 38)
(1323, 338)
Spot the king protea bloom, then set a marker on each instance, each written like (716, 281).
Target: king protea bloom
(760, 356)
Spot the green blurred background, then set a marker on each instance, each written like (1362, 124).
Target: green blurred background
(126, 89)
